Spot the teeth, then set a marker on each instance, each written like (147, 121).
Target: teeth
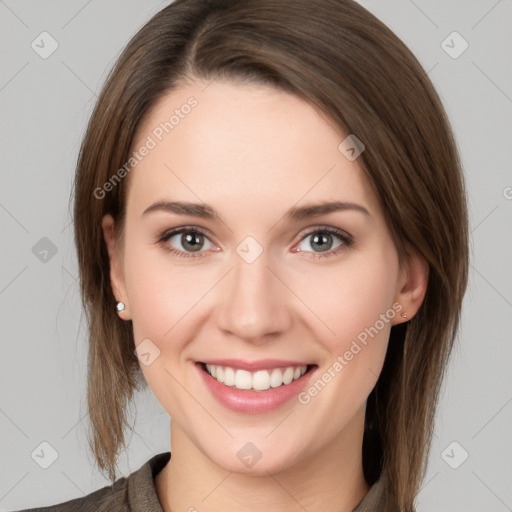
(260, 380)
(229, 376)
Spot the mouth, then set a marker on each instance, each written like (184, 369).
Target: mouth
(254, 387)
(259, 380)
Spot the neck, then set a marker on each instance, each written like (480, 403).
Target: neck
(331, 480)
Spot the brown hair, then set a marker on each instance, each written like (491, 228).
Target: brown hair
(345, 62)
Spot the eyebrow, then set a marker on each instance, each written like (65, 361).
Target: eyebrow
(296, 213)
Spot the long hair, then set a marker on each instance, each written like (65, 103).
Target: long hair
(337, 56)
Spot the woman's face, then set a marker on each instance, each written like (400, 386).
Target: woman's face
(250, 281)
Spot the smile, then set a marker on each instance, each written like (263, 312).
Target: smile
(255, 387)
(260, 380)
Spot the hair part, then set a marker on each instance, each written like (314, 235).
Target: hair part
(345, 62)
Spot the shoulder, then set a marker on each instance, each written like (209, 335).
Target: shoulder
(112, 497)
(133, 493)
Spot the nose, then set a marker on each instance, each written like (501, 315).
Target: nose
(254, 306)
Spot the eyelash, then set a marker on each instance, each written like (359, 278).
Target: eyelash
(346, 239)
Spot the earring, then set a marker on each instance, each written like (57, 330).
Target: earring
(404, 315)
(120, 307)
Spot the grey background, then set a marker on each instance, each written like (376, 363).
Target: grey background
(45, 105)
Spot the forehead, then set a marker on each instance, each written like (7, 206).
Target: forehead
(242, 148)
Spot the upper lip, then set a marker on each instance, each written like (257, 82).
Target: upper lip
(261, 364)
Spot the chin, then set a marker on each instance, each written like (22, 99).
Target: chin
(247, 459)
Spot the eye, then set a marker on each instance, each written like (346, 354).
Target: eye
(323, 243)
(186, 242)
(192, 242)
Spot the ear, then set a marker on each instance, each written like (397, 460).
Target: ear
(411, 286)
(116, 268)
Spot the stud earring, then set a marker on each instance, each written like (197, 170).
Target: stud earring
(120, 307)
(404, 315)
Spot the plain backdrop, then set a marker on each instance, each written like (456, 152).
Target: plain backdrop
(45, 103)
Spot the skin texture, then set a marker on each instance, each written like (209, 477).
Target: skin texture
(253, 152)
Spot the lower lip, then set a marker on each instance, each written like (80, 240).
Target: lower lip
(252, 401)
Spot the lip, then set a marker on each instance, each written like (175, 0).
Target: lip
(252, 401)
(252, 366)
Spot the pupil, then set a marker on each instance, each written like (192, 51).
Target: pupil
(323, 238)
(192, 241)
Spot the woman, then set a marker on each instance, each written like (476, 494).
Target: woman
(272, 234)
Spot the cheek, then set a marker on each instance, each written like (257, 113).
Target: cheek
(160, 293)
(162, 297)
(356, 304)
(352, 296)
